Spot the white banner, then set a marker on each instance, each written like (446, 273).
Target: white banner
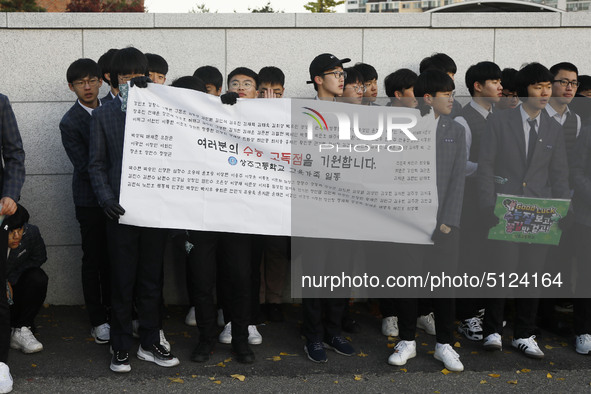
(278, 166)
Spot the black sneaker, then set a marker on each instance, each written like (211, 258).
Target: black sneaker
(243, 353)
(275, 313)
(158, 355)
(340, 345)
(315, 351)
(202, 352)
(120, 361)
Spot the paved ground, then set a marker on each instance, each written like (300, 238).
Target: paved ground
(72, 362)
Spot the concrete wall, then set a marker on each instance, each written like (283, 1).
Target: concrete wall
(37, 49)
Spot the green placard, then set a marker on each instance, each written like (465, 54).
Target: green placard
(527, 219)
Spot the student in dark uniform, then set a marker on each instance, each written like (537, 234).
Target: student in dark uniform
(435, 92)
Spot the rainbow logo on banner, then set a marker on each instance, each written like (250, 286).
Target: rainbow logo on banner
(316, 118)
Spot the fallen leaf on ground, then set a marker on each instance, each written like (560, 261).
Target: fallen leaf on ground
(361, 354)
(286, 354)
(336, 382)
(349, 339)
(559, 378)
(34, 365)
(274, 358)
(391, 338)
(239, 377)
(494, 375)
(525, 370)
(403, 369)
(228, 360)
(445, 371)
(549, 376)
(221, 365)
(358, 377)
(431, 352)
(457, 344)
(548, 347)
(391, 345)
(176, 380)
(483, 381)
(217, 381)
(423, 344)
(512, 381)
(474, 352)
(551, 363)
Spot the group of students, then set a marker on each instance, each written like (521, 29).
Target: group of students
(122, 265)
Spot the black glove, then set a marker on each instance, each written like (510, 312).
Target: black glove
(113, 210)
(566, 222)
(229, 98)
(489, 219)
(140, 82)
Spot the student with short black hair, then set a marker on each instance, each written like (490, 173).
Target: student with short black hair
(399, 86)
(443, 63)
(434, 91)
(510, 97)
(26, 279)
(157, 68)
(189, 82)
(354, 86)
(484, 84)
(271, 82)
(136, 253)
(524, 148)
(212, 77)
(370, 78)
(104, 63)
(244, 81)
(84, 79)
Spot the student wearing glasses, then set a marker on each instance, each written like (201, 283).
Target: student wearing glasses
(84, 79)
(322, 317)
(564, 88)
(510, 98)
(370, 78)
(354, 88)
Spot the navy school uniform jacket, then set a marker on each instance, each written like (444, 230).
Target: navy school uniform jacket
(503, 167)
(451, 167)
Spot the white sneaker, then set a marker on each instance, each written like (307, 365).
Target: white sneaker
(493, 342)
(101, 334)
(190, 319)
(528, 346)
(165, 344)
(471, 328)
(583, 343)
(390, 326)
(221, 321)
(23, 339)
(446, 354)
(5, 379)
(135, 328)
(403, 351)
(226, 334)
(254, 337)
(427, 323)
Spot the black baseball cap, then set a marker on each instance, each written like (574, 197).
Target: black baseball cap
(324, 62)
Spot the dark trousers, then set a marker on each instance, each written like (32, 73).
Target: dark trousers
(28, 295)
(445, 253)
(511, 257)
(582, 306)
(4, 309)
(232, 252)
(136, 255)
(322, 317)
(96, 285)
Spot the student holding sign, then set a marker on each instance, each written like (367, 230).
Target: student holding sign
(522, 153)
